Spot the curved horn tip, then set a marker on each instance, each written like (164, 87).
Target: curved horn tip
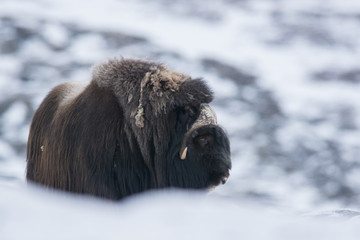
(183, 153)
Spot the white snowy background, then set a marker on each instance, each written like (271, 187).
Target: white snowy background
(286, 77)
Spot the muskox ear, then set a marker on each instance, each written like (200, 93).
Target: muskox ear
(193, 92)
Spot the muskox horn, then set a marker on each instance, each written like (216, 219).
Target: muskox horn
(207, 116)
(183, 153)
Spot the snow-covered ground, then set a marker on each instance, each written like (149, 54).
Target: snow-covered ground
(286, 77)
(173, 215)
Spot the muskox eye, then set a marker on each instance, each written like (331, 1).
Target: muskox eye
(205, 140)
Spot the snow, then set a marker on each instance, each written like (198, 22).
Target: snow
(293, 130)
(80, 48)
(31, 213)
(56, 35)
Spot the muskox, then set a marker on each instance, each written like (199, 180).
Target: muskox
(135, 126)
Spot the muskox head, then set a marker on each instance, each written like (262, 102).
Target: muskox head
(206, 144)
(135, 126)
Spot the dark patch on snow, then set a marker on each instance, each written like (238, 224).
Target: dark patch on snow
(230, 72)
(347, 76)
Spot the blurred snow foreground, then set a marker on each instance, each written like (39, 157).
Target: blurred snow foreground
(30, 213)
(286, 78)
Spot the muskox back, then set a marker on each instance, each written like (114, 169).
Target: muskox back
(73, 139)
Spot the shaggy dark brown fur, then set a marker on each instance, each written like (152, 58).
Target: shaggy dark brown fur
(121, 133)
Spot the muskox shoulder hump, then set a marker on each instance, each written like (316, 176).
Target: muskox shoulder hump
(69, 91)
